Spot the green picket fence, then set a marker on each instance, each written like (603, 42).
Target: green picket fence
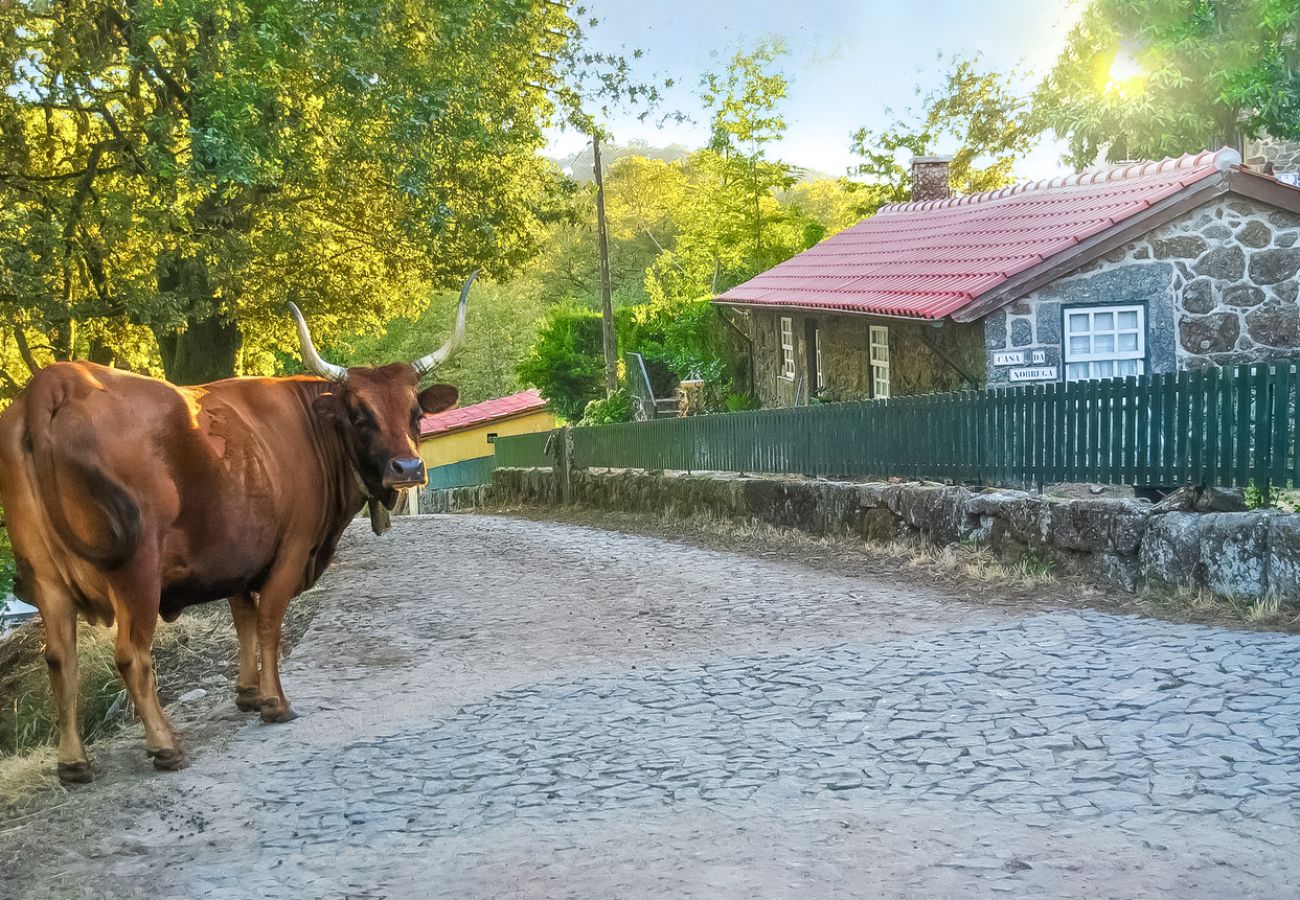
(1225, 427)
(460, 474)
(523, 450)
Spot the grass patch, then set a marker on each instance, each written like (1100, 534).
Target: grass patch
(200, 641)
(1201, 604)
(967, 563)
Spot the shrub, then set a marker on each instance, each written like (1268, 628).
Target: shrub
(567, 363)
(740, 401)
(617, 407)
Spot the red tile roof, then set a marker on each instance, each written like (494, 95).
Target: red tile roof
(481, 413)
(927, 260)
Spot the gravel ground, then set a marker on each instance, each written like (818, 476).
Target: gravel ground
(493, 707)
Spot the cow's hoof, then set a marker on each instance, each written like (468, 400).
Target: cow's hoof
(246, 700)
(274, 711)
(76, 773)
(168, 759)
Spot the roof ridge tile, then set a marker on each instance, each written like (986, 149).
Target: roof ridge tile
(1222, 159)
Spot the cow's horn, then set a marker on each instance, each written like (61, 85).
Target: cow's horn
(426, 364)
(310, 357)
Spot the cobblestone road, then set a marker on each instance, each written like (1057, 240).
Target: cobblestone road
(502, 708)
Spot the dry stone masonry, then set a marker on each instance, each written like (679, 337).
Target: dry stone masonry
(1219, 287)
(1284, 155)
(1190, 540)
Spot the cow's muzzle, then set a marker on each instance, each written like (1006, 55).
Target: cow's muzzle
(404, 473)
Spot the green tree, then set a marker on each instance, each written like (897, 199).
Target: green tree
(566, 363)
(979, 111)
(1145, 79)
(175, 170)
(744, 101)
(501, 325)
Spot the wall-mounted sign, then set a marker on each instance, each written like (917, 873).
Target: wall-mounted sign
(1037, 373)
(1009, 358)
(1038, 357)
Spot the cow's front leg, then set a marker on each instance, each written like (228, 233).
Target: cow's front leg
(243, 609)
(272, 601)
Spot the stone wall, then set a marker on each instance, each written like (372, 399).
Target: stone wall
(1284, 155)
(1124, 544)
(1219, 286)
(449, 500)
(914, 367)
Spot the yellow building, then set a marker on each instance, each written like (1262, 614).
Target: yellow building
(467, 433)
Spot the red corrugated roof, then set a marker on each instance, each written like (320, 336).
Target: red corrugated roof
(929, 259)
(481, 413)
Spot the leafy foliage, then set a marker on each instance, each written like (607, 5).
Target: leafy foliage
(170, 169)
(1153, 78)
(566, 363)
(617, 407)
(980, 111)
(501, 324)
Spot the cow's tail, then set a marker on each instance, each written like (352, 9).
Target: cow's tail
(64, 453)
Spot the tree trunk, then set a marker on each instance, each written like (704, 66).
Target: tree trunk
(606, 302)
(205, 351)
(208, 346)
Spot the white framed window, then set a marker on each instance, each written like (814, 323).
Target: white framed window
(817, 356)
(879, 351)
(1104, 342)
(787, 348)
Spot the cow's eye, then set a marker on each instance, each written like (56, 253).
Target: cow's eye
(362, 418)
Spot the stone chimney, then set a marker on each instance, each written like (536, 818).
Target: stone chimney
(930, 178)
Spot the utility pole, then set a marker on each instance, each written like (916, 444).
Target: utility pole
(606, 302)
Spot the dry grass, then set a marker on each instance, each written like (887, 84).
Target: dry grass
(200, 642)
(964, 562)
(957, 563)
(1199, 604)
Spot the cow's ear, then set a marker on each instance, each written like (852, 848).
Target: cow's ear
(331, 407)
(438, 397)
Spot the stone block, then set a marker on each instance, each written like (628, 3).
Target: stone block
(1274, 325)
(1048, 323)
(1274, 266)
(1198, 296)
(1255, 234)
(1284, 558)
(1171, 550)
(995, 330)
(1184, 246)
(1234, 553)
(1215, 333)
(1095, 526)
(1022, 334)
(1227, 263)
(1114, 570)
(1243, 295)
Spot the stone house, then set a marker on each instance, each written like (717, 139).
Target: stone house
(1149, 267)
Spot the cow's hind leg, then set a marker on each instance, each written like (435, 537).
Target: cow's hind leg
(135, 594)
(59, 614)
(243, 609)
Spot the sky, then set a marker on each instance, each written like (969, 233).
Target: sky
(850, 63)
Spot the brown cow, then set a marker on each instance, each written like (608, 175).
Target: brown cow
(128, 497)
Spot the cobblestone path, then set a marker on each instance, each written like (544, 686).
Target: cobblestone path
(502, 708)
